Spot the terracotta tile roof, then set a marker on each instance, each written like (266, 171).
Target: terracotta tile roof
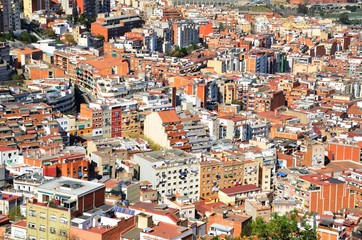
(354, 110)
(168, 231)
(169, 116)
(240, 189)
(4, 148)
(21, 224)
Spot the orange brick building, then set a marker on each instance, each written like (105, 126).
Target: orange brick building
(111, 27)
(326, 194)
(342, 151)
(39, 73)
(233, 220)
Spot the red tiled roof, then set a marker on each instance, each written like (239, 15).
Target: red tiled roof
(4, 148)
(168, 231)
(240, 189)
(169, 116)
(21, 224)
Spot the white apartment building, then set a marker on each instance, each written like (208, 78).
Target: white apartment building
(172, 172)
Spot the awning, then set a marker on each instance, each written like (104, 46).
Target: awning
(281, 174)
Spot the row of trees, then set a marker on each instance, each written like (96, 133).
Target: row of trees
(287, 227)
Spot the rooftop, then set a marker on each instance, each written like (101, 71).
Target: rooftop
(240, 189)
(165, 155)
(69, 187)
(321, 179)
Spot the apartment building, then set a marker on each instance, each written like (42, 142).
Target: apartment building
(343, 150)
(71, 194)
(31, 6)
(264, 101)
(316, 192)
(57, 92)
(165, 129)
(216, 174)
(9, 156)
(125, 119)
(10, 16)
(9, 200)
(107, 155)
(231, 126)
(185, 33)
(47, 221)
(92, 7)
(196, 132)
(171, 171)
(115, 26)
(88, 71)
(353, 178)
(228, 61)
(73, 166)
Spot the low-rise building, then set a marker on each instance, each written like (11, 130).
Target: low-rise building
(237, 195)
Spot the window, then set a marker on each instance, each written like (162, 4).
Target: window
(31, 225)
(53, 217)
(63, 233)
(32, 238)
(42, 228)
(52, 230)
(63, 220)
(42, 215)
(32, 213)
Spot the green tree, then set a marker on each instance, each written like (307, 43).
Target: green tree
(9, 36)
(283, 228)
(69, 39)
(49, 33)
(302, 9)
(15, 214)
(27, 38)
(351, 8)
(343, 18)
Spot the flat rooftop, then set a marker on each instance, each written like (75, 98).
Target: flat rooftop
(168, 155)
(69, 187)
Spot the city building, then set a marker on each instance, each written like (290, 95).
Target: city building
(217, 174)
(185, 33)
(237, 195)
(71, 194)
(115, 26)
(165, 128)
(10, 16)
(47, 221)
(9, 156)
(31, 6)
(171, 171)
(92, 7)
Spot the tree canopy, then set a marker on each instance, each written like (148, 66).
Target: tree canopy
(184, 51)
(302, 9)
(15, 214)
(283, 228)
(343, 18)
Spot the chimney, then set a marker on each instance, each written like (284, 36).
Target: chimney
(225, 214)
(144, 221)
